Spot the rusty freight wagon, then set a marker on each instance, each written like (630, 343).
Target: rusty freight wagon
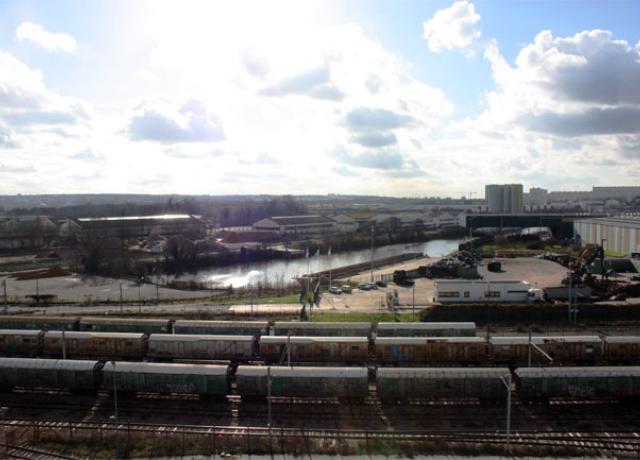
(622, 349)
(539, 384)
(344, 383)
(201, 347)
(21, 342)
(206, 380)
(319, 329)
(107, 345)
(404, 384)
(416, 351)
(564, 350)
(418, 329)
(144, 325)
(255, 328)
(277, 349)
(64, 374)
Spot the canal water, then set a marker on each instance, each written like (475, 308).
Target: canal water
(281, 272)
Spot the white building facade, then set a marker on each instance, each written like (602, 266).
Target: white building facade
(621, 234)
(504, 198)
(460, 291)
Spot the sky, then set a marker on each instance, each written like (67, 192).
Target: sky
(379, 97)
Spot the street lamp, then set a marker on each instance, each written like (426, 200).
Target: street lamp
(115, 406)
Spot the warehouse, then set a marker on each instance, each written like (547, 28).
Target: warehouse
(144, 226)
(447, 291)
(297, 225)
(621, 235)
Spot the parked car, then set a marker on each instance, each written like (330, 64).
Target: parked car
(381, 283)
(367, 286)
(346, 289)
(335, 290)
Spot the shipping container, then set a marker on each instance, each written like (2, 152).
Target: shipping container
(305, 329)
(431, 329)
(345, 383)
(412, 351)
(144, 325)
(166, 378)
(255, 328)
(69, 374)
(403, 384)
(21, 342)
(562, 349)
(538, 384)
(43, 322)
(201, 347)
(274, 349)
(108, 345)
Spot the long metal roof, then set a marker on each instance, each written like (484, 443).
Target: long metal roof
(586, 371)
(165, 368)
(426, 340)
(542, 339)
(47, 364)
(426, 326)
(322, 325)
(309, 340)
(38, 319)
(182, 322)
(133, 321)
(622, 339)
(301, 371)
(199, 338)
(23, 332)
(443, 372)
(94, 335)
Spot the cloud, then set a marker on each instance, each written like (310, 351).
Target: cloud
(8, 138)
(16, 168)
(372, 160)
(594, 121)
(315, 83)
(453, 27)
(163, 122)
(35, 33)
(87, 154)
(380, 139)
(365, 119)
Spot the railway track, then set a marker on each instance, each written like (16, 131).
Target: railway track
(625, 442)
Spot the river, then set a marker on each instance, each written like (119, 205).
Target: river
(281, 272)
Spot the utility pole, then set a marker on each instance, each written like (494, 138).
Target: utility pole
(289, 349)
(529, 350)
(413, 302)
(269, 402)
(115, 406)
(6, 303)
(373, 230)
(64, 344)
(121, 301)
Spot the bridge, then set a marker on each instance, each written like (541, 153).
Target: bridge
(560, 224)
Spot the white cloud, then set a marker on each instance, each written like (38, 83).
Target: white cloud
(35, 33)
(456, 27)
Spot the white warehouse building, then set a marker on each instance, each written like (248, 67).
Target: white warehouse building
(621, 234)
(458, 291)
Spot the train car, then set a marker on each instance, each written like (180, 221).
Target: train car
(21, 342)
(622, 349)
(201, 347)
(353, 350)
(43, 322)
(345, 383)
(418, 329)
(411, 351)
(108, 345)
(539, 384)
(305, 329)
(144, 325)
(585, 349)
(255, 328)
(68, 374)
(403, 384)
(206, 380)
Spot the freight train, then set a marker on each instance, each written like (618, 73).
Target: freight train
(333, 350)
(347, 384)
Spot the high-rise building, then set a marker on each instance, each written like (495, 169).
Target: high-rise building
(538, 197)
(504, 198)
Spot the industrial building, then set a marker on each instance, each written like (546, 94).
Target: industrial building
(504, 198)
(144, 226)
(297, 225)
(621, 235)
(26, 232)
(459, 290)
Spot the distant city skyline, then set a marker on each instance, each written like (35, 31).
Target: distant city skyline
(369, 97)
